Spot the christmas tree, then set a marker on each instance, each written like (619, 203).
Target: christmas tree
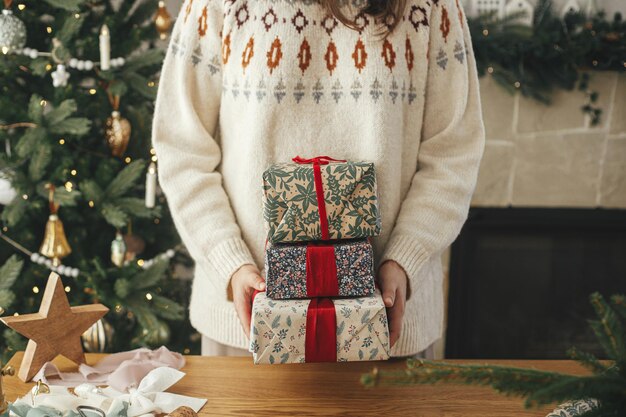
(78, 79)
(604, 391)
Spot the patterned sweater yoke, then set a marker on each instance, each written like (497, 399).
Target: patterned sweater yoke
(248, 83)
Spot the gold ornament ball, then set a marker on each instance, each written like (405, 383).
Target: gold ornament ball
(162, 21)
(98, 337)
(158, 335)
(117, 132)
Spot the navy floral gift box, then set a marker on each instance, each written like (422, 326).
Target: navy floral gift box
(327, 269)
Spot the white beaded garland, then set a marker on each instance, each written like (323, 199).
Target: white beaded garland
(78, 64)
(69, 271)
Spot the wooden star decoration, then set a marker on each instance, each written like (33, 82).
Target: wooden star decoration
(54, 330)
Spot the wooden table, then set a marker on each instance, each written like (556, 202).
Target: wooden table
(234, 386)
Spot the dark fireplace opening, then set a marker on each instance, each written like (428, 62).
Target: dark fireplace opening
(520, 280)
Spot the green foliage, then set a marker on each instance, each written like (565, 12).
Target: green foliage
(552, 54)
(606, 384)
(8, 274)
(57, 136)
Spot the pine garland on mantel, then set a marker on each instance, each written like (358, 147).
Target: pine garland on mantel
(553, 53)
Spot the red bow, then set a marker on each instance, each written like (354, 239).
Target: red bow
(319, 187)
(321, 160)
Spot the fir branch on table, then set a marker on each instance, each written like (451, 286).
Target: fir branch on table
(606, 384)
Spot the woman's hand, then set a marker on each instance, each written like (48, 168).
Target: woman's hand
(244, 282)
(394, 285)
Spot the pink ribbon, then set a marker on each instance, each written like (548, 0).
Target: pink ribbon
(119, 370)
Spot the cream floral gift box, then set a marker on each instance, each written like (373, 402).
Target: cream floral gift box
(319, 330)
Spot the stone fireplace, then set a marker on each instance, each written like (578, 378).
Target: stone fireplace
(550, 205)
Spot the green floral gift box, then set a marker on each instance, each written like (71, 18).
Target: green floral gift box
(320, 199)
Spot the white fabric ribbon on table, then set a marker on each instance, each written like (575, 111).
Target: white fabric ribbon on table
(148, 398)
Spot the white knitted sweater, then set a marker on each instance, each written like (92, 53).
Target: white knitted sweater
(249, 83)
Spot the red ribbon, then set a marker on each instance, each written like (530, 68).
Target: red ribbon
(319, 187)
(321, 331)
(321, 271)
(320, 340)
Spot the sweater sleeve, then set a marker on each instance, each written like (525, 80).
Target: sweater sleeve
(452, 143)
(183, 135)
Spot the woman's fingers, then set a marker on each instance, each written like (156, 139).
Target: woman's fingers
(243, 298)
(257, 282)
(243, 308)
(395, 315)
(389, 293)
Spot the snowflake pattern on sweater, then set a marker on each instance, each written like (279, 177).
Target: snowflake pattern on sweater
(275, 44)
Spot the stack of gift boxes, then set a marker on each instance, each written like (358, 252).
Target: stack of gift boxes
(320, 303)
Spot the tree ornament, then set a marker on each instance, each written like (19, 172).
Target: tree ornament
(117, 131)
(162, 21)
(135, 245)
(98, 337)
(12, 31)
(7, 192)
(157, 335)
(60, 76)
(54, 245)
(118, 250)
(54, 330)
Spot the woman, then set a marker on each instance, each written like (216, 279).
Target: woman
(249, 83)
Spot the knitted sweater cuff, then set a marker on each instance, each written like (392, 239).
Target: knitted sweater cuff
(229, 256)
(409, 254)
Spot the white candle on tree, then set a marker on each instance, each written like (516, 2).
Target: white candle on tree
(151, 181)
(105, 48)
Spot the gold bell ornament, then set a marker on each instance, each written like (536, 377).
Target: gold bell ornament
(162, 21)
(54, 245)
(117, 130)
